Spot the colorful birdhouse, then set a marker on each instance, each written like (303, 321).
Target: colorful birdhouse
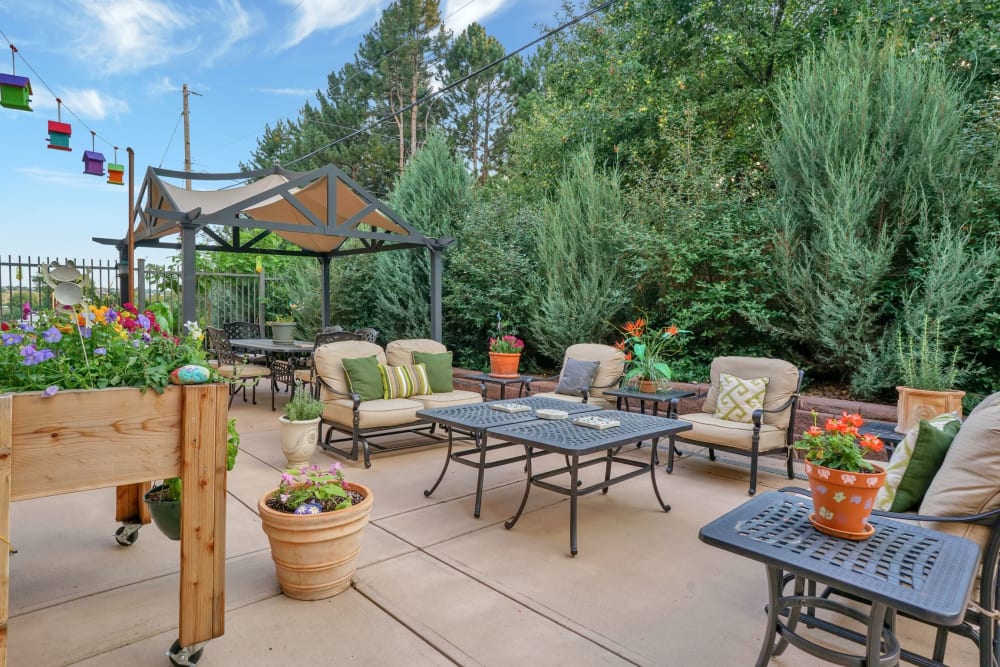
(15, 92)
(93, 163)
(116, 173)
(59, 134)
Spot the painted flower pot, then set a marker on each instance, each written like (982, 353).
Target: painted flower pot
(505, 364)
(648, 386)
(843, 500)
(315, 555)
(298, 440)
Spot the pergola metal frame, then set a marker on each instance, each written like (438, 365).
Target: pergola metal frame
(151, 220)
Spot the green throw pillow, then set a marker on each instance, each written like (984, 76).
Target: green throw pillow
(928, 454)
(439, 370)
(900, 460)
(363, 377)
(738, 398)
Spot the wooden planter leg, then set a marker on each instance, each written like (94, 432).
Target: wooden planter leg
(6, 443)
(128, 503)
(203, 517)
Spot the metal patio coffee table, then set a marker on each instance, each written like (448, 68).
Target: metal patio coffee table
(573, 441)
(475, 418)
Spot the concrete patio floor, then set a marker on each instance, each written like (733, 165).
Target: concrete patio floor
(435, 586)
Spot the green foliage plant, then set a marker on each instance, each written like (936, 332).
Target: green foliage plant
(923, 363)
(647, 349)
(303, 407)
(581, 244)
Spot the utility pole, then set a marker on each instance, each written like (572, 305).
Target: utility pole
(187, 133)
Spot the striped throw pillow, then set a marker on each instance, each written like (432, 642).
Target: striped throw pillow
(404, 381)
(738, 398)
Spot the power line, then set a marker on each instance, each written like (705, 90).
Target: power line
(455, 83)
(171, 140)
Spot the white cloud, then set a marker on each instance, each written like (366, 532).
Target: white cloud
(314, 15)
(295, 92)
(163, 85)
(459, 14)
(88, 103)
(63, 179)
(130, 35)
(238, 26)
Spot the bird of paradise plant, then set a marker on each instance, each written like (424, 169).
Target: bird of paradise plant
(646, 349)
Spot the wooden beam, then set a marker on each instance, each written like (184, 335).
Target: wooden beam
(6, 445)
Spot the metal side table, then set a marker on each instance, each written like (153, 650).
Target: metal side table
(925, 573)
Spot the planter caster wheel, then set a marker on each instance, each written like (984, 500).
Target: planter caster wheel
(127, 534)
(185, 656)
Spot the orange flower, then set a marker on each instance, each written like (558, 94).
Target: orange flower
(620, 345)
(872, 443)
(854, 420)
(635, 328)
(814, 430)
(672, 330)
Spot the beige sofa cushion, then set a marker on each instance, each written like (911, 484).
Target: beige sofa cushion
(377, 412)
(968, 481)
(327, 362)
(448, 398)
(608, 373)
(709, 429)
(400, 352)
(603, 402)
(783, 378)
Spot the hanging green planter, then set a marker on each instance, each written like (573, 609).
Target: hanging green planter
(166, 513)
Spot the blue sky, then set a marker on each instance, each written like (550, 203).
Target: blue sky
(119, 65)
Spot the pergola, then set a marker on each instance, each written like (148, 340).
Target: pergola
(318, 211)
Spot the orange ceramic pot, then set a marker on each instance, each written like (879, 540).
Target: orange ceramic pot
(504, 364)
(843, 500)
(648, 386)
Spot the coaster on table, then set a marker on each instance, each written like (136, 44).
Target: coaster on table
(595, 421)
(511, 407)
(544, 413)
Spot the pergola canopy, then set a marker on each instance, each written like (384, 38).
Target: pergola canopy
(318, 211)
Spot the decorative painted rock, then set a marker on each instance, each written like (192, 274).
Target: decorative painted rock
(190, 374)
(308, 508)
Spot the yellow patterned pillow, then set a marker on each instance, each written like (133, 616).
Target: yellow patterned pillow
(738, 398)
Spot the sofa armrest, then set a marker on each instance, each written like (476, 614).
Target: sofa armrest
(355, 398)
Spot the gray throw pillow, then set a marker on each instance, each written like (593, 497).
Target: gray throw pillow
(577, 375)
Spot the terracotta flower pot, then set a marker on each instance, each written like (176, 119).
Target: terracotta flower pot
(843, 500)
(916, 404)
(504, 364)
(315, 555)
(648, 386)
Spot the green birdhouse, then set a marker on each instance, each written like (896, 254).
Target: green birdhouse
(15, 92)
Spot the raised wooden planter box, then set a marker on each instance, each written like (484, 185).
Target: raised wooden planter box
(90, 439)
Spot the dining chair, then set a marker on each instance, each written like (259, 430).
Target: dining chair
(235, 368)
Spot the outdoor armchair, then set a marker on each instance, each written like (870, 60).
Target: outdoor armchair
(235, 368)
(579, 381)
(735, 417)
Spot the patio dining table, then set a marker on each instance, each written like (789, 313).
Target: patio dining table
(269, 347)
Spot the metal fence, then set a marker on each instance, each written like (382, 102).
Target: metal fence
(221, 297)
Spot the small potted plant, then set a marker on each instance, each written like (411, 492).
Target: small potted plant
(300, 428)
(929, 375)
(505, 351)
(164, 499)
(313, 522)
(843, 483)
(646, 349)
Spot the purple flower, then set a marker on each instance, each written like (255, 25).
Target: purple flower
(11, 338)
(34, 356)
(135, 343)
(111, 316)
(85, 332)
(285, 477)
(27, 327)
(143, 321)
(146, 337)
(284, 497)
(100, 350)
(52, 335)
(50, 391)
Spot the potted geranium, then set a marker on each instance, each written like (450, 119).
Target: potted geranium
(505, 351)
(929, 375)
(843, 483)
(313, 522)
(300, 428)
(646, 350)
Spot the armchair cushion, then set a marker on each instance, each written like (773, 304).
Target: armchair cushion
(439, 370)
(739, 397)
(783, 381)
(612, 365)
(404, 381)
(363, 377)
(726, 433)
(327, 361)
(914, 463)
(968, 481)
(373, 414)
(400, 352)
(577, 376)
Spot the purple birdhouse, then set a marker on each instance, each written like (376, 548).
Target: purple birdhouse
(93, 163)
